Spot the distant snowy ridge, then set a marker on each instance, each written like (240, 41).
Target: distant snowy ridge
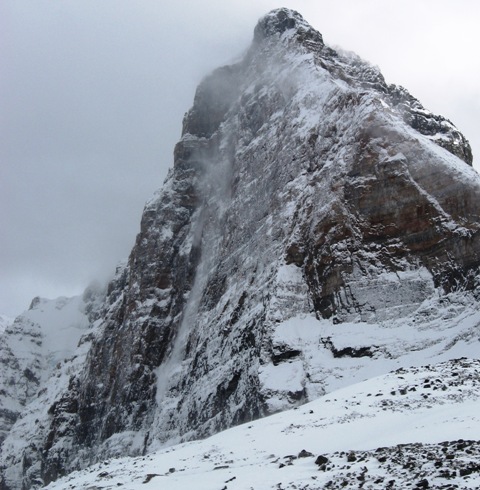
(33, 344)
(413, 428)
(5, 321)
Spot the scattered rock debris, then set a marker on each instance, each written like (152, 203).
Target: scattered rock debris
(150, 476)
(445, 466)
(305, 454)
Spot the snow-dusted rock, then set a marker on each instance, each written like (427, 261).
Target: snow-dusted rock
(319, 227)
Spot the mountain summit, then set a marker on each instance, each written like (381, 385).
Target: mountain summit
(319, 227)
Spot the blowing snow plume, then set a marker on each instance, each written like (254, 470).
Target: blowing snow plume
(213, 167)
(319, 226)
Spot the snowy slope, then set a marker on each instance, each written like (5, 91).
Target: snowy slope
(402, 427)
(323, 356)
(5, 322)
(61, 323)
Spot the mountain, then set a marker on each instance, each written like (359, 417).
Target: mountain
(319, 227)
(32, 345)
(327, 443)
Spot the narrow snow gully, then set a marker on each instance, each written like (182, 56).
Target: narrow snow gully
(214, 191)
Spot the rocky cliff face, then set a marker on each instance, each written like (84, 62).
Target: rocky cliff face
(311, 208)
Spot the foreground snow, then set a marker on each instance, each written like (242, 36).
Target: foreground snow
(425, 409)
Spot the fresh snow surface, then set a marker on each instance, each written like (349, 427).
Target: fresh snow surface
(62, 321)
(439, 329)
(425, 405)
(5, 322)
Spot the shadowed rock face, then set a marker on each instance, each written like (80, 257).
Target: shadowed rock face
(301, 177)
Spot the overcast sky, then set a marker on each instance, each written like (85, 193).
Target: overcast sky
(92, 95)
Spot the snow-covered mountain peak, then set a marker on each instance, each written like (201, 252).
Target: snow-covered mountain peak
(319, 227)
(62, 321)
(284, 20)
